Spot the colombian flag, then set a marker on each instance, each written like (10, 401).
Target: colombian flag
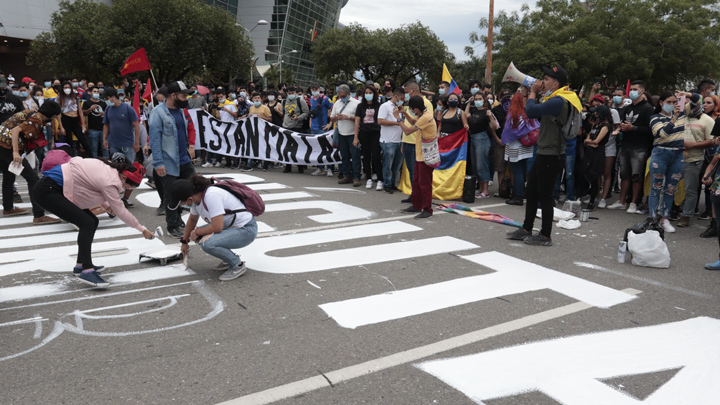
(447, 78)
(449, 177)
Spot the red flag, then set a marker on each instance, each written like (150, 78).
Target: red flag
(136, 62)
(314, 32)
(627, 89)
(147, 95)
(136, 101)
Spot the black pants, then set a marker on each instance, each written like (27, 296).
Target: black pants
(173, 218)
(539, 188)
(49, 195)
(370, 146)
(9, 179)
(72, 126)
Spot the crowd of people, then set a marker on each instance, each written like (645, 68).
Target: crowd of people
(630, 143)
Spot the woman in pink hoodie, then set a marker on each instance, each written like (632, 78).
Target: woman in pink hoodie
(71, 189)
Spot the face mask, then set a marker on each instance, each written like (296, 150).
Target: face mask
(474, 90)
(221, 100)
(257, 104)
(16, 93)
(479, 104)
(345, 99)
(399, 103)
(75, 84)
(388, 89)
(453, 103)
(439, 107)
(292, 96)
(442, 91)
(23, 94)
(67, 91)
(181, 104)
(353, 95)
(617, 99)
(47, 84)
(490, 101)
(243, 94)
(101, 91)
(271, 98)
(712, 93)
(407, 96)
(315, 93)
(96, 96)
(668, 108)
(232, 96)
(40, 99)
(369, 97)
(121, 95)
(634, 95)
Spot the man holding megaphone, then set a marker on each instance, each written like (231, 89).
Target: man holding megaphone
(554, 111)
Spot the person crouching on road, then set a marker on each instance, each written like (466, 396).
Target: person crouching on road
(231, 226)
(71, 189)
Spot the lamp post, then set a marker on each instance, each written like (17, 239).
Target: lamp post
(280, 59)
(260, 22)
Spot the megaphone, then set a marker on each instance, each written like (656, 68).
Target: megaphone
(514, 75)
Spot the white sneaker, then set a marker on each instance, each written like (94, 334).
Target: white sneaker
(369, 184)
(218, 164)
(317, 172)
(602, 203)
(665, 223)
(617, 205)
(585, 199)
(374, 177)
(329, 173)
(632, 207)
(206, 164)
(380, 186)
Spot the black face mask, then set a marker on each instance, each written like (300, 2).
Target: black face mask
(388, 89)
(453, 103)
(3, 92)
(181, 104)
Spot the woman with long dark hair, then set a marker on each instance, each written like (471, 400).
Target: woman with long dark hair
(70, 190)
(594, 156)
(231, 226)
(72, 121)
(367, 135)
(479, 120)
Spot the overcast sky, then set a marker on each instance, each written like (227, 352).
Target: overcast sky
(452, 21)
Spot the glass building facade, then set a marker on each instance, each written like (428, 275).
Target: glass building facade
(231, 6)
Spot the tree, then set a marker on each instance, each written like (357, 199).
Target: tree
(93, 39)
(273, 75)
(402, 54)
(667, 43)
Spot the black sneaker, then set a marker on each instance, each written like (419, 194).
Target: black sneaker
(423, 214)
(519, 234)
(160, 210)
(538, 240)
(711, 230)
(591, 206)
(388, 190)
(94, 279)
(78, 270)
(176, 233)
(705, 215)
(410, 209)
(127, 203)
(407, 200)
(287, 169)
(515, 201)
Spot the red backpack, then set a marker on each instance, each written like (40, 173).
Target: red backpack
(253, 203)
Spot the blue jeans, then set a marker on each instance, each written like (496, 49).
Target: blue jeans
(519, 169)
(219, 244)
(125, 150)
(408, 151)
(481, 155)
(569, 178)
(666, 168)
(350, 166)
(392, 162)
(95, 141)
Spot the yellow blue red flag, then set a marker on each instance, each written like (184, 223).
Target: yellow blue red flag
(447, 78)
(449, 177)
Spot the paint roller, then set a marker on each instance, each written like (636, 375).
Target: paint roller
(514, 75)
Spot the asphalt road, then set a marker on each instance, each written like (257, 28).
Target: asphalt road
(350, 301)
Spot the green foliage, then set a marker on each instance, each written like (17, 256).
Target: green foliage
(273, 75)
(667, 43)
(401, 54)
(182, 38)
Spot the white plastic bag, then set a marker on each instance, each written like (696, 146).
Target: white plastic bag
(558, 215)
(569, 224)
(648, 250)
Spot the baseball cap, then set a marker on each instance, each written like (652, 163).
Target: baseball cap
(27, 80)
(598, 98)
(181, 190)
(136, 176)
(505, 93)
(178, 87)
(558, 73)
(11, 79)
(3, 82)
(602, 111)
(110, 91)
(315, 86)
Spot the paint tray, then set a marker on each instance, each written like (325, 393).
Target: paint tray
(163, 255)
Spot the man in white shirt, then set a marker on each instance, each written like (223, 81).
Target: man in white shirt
(391, 138)
(343, 113)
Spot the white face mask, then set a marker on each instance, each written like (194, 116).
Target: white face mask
(67, 91)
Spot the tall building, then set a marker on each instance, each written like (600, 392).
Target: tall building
(292, 25)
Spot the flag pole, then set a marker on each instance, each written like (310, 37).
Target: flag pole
(156, 87)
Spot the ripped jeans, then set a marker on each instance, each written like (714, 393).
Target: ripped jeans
(666, 168)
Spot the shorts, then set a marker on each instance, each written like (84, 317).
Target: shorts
(499, 162)
(631, 163)
(611, 147)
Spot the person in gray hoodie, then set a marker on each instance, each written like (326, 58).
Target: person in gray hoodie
(295, 111)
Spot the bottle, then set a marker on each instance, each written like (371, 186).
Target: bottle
(622, 248)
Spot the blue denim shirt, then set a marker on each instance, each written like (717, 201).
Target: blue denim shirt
(164, 140)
